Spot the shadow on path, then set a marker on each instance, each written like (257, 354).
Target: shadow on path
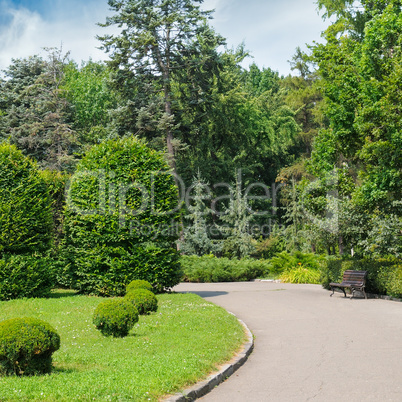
(205, 294)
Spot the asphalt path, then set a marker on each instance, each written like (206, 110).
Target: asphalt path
(310, 346)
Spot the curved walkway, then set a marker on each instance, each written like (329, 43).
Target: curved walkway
(309, 346)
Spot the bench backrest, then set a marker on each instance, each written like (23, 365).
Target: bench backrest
(354, 277)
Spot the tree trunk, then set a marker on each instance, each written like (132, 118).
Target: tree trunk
(341, 248)
(169, 138)
(165, 68)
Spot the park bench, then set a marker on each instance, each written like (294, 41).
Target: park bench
(353, 280)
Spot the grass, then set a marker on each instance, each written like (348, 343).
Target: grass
(182, 342)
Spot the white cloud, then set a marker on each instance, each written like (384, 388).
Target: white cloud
(270, 29)
(26, 33)
(18, 35)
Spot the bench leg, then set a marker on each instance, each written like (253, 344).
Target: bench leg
(360, 290)
(333, 290)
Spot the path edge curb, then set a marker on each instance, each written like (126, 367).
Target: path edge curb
(204, 387)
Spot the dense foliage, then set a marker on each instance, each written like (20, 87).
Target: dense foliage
(91, 97)
(115, 317)
(209, 268)
(121, 219)
(285, 261)
(25, 208)
(26, 346)
(346, 198)
(25, 275)
(34, 114)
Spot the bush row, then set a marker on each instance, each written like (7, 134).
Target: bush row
(27, 344)
(116, 317)
(384, 275)
(209, 268)
(285, 261)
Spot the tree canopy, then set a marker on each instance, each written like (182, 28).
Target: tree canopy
(329, 134)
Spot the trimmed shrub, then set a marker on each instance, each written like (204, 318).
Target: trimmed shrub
(115, 317)
(122, 205)
(209, 268)
(25, 276)
(106, 271)
(26, 224)
(26, 346)
(138, 284)
(144, 300)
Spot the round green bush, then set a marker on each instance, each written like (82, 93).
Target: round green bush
(26, 346)
(144, 300)
(122, 205)
(26, 223)
(115, 317)
(138, 284)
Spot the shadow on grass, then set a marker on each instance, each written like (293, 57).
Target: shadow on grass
(65, 370)
(76, 367)
(58, 293)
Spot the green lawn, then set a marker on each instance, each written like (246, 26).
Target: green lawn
(166, 351)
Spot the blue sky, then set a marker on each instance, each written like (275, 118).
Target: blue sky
(270, 29)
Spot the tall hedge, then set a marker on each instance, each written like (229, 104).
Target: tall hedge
(26, 227)
(25, 207)
(25, 275)
(121, 219)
